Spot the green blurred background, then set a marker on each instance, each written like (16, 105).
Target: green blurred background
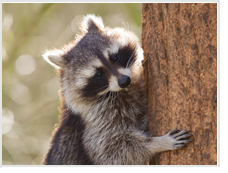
(29, 85)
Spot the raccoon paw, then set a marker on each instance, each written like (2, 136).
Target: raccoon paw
(180, 139)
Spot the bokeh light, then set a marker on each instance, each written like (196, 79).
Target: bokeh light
(7, 120)
(30, 98)
(25, 64)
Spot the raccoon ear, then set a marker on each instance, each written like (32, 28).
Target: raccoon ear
(55, 59)
(92, 23)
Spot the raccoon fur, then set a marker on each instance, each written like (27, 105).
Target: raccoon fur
(104, 118)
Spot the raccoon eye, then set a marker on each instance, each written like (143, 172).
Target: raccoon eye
(98, 74)
(114, 58)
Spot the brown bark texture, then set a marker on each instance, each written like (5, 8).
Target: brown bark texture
(180, 49)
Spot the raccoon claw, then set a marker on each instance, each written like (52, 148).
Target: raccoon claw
(173, 132)
(179, 146)
(180, 138)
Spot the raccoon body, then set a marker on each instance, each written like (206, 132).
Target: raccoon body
(104, 104)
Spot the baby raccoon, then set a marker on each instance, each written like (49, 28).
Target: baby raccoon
(104, 104)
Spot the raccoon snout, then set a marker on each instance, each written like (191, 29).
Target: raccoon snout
(124, 81)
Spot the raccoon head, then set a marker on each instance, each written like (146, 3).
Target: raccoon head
(99, 61)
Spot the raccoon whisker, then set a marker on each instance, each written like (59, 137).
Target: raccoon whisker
(109, 97)
(117, 95)
(144, 60)
(104, 95)
(126, 27)
(114, 100)
(105, 100)
(100, 98)
(111, 100)
(130, 59)
(113, 97)
(101, 88)
(101, 95)
(132, 62)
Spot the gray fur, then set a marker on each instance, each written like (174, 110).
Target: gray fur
(115, 124)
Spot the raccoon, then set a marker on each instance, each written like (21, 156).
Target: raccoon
(103, 117)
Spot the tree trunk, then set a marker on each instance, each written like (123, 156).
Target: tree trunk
(180, 49)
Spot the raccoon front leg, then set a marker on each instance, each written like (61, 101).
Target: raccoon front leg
(173, 140)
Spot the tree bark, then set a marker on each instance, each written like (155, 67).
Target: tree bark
(180, 49)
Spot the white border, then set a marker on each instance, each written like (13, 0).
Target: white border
(223, 104)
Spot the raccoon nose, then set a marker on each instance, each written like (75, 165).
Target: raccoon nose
(124, 81)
